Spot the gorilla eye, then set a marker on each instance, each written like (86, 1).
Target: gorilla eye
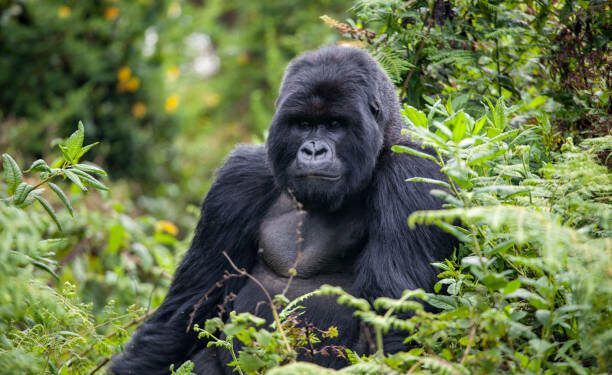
(335, 124)
(304, 124)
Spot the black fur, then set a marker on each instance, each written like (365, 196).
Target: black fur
(332, 81)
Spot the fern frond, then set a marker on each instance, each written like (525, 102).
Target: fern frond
(393, 62)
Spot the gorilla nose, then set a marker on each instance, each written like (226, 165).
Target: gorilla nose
(313, 153)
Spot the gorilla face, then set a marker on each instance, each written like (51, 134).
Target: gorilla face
(325, 138)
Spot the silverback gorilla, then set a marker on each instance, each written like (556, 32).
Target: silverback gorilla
(329, 148)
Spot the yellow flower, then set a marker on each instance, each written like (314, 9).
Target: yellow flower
(173, 73)
(212, 99)
(63, 11)
(133, 84)
(243, 58)
(166, 226)
(139, 110)
(172, 103)
(174, 10)
(111, 13)
(124, 73)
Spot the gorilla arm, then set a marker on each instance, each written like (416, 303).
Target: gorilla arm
(231, 215)
(397, 257)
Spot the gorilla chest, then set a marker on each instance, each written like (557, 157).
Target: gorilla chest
(312, 243)
(321, 247)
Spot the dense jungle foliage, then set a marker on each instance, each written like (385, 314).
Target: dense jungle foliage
(514, 96)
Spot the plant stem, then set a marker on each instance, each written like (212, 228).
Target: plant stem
(380, 355)
(499, 88)
(417, 56)
(231, 350)
(277, 320)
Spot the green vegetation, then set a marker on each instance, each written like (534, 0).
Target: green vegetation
(513, 96)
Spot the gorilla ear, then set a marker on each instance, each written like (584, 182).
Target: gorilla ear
(374, 106)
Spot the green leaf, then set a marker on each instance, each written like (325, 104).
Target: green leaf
(442, 302)
(407, 150)
(115, 238)
(39, 166)
(249, 363)
(443, 131)
(500, 248)
(484, 153)
(454, 288)
(416, 117)
(512, 286)
(449, 106)
(479, 124)
(543, 316)
(74, 178)
(458, 126)
(74, 143)
(12, 173)
(45, 267)
(50, 211)
(90, 168)
(437, 287)
(89, 180)
(62, 197)
(21, 193)
(493, 132)
(30, 198)
(537, 101)
(476, 261)
(429, 181)
(503, 191)
(494, 281)
(65, 154)
(534, 299)
(433, 110)
(84, 150)
(505, 135)
(540, 346)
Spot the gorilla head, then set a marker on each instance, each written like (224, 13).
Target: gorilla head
(336, 111)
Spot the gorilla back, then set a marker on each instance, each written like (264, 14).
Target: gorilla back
(326, 169)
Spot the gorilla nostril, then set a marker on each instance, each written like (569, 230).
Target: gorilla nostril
(314, 152)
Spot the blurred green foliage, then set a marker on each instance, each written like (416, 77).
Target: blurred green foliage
(70, 60)
(515, 49)
(70, 288)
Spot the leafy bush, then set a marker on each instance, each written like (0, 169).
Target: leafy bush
(69, 292)
(477, 49)
(529, 290)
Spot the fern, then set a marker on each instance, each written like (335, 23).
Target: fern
(393, 62)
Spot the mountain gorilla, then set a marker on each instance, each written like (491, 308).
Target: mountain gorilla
(329, 148)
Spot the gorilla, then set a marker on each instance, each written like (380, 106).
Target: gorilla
(325, 197)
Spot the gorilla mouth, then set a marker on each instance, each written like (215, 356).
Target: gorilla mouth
(320, 176)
